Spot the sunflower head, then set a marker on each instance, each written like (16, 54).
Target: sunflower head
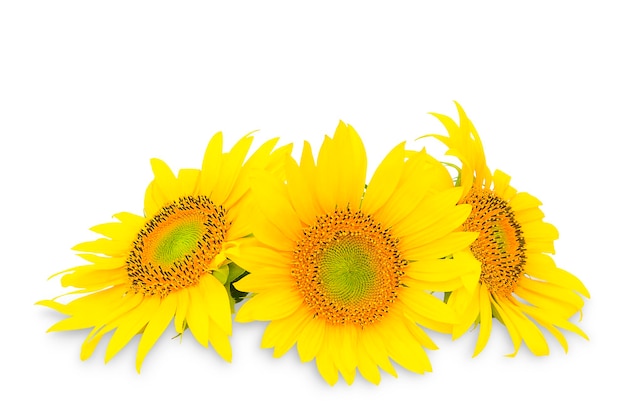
(173, 262)
(346, 272)
(519, 283)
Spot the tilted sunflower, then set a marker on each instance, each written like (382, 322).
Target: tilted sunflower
(174, 261)
(520, 284)
(347, 273)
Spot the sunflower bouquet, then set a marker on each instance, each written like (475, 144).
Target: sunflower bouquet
(350, 271)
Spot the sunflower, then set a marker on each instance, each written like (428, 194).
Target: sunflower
(347, 272)
(171, 263)
(519, 284)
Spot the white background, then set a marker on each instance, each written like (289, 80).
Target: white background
(90, 91)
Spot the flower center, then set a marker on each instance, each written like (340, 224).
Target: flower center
(176, 247)
(500, 245)
(348, 268)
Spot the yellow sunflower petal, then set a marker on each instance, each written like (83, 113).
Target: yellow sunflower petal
(165, 187)
(211, 165)
(159, 321)
(431, 210)
(549, 318)
(305, 205)
(283, 334)
(340, 180)
(182, 306)
(530, 333)
(265, 279)
(559, 294)
(230, 168)
(325, 365)
(198, 315)
(311, 338)
(262, 158)
(467, 306)
(429, 306)
(217, 298)
(500, 182)
(511, 327)
(219, 340)
(367, 367)
(543, 267)
(453, 242)
(253, 255)
(104, 246)
(524, 201)
(384, 180)
(374, 344)
(484, 303)
(91, 278)
(404, 349)
(449, 221)
(274, 305)
(128, 327)
(540, 231)
(344, 357)
(274, 204)
(188, 181)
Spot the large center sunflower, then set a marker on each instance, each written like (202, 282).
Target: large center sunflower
(347, 272)
(174, 262)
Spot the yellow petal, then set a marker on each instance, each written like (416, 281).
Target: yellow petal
(403, 348)
(231, 166)
(428, 306)
(345, 358)
(325, 365)
(531, 335)
(211, 165)
(253, 256)
(559, 295)
(524, 201)
(543, 267)
(165, 188)
(273, 236)
(104, 246)
(182, 306)
(219, 341)
(198, 315)
(485, 319)
(188, 182)
(385, 180)
(374, 343)
(260, 159)
(539, 230)
(159, 321)
(311, 339)
(447, 245)
(218, 301)
(467, 306)
(432, 210)
(275, 205)
(299, 191)
(367, 367)
(270, 305)
(283, 334)
(449, 221)
(130, 324)
(265, 279)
